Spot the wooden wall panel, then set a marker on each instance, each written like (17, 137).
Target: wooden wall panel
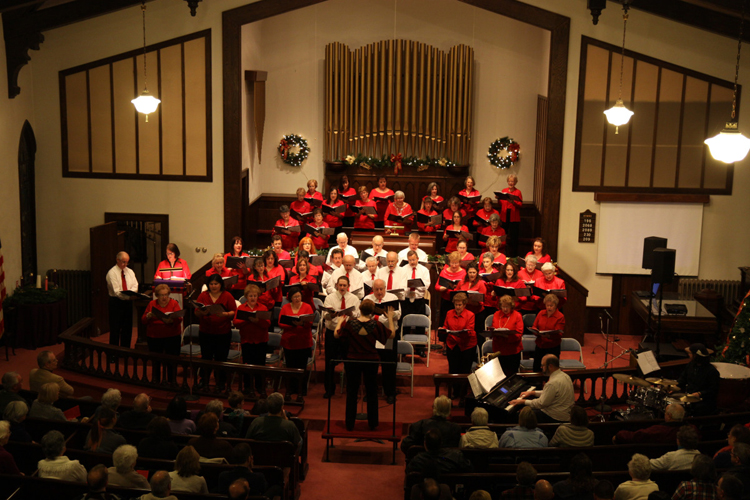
(101, 119)
(171, 116)
(125, 117)
(149, 154)
(195, 114)
(77, 122)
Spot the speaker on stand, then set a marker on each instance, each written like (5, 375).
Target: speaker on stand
(662, 273)
(649, 245)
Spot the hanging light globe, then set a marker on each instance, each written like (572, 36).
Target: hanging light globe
(146, 103)
(729, 145)
(618, 114)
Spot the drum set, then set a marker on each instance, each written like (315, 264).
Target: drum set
(650, 397)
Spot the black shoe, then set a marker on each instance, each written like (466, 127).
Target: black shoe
(300, 399)
(390, 400)
(327, 395)
(422, 354)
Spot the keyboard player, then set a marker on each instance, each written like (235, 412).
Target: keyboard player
(553, 403)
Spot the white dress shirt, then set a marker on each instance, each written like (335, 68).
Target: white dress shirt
(396, 283)
(334, 302)
(388, 297)
(356, 284)
(556, 399)
(681, 459)
(325, 278)
(349, 250)
(419, 272)
(421, 254)
(370, 253)
(114, 282)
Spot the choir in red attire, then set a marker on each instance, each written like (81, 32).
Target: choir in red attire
(163, 334)
(506, 343)
(215, 326)
(172, 261)
(253, 337)
(548, 320)
(296, 338)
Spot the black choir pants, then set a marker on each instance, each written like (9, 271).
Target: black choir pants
(254, 354)
(120, 322)
(164, 345)
(388, 369)
(214, 347)
(354, 373)
(297, 358)
(334, 350)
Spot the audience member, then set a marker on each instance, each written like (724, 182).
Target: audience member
(430, 489)
(235, 414)
(275, 426)
(581, 482)
(640, 486)
(226, 430)
(239, 489)
(178, 417)
(480, 495)
(450, 432)
(15, 413)
(479, 434)
(110, 399)
(524, 488)
(741, 465)
(158, 443)
(185, 474)
(101, 438)
(543, 490)
(682, 459)
(737, 434)
(729, 488)
(161, 487)
(11, 385)
(47, 362)
(702, 486)
(243, 459)
(449, 460)
(553, 403)
(139, 417)
(576, 434)
(42, 407)
(526, 434)
(7, 463)
(604, 490)
(98, 480)
(207, 444)
(123, 473)
(660, 433)
(55, 464)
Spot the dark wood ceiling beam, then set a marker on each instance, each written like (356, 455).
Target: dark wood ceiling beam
(8, 5)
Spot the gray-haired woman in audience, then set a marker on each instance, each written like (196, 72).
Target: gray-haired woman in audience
(123, 473)
(7, 463)
(479, 435)
(15, 413)
(56, 465)
(640, 486)
(185, 476)
(576, 434)
(42, 405)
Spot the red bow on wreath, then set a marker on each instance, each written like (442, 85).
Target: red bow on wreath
(513, 150)
(396, 160)
(284, 148)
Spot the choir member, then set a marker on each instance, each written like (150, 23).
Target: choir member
(362, 334)
(240, 271)
(388, 357)
(454, 205)
(319, 240)
(338, 300)
(414, 300)
(550, 281)
(277, 244)
(345, 190)
(493, 247)
(454, 272)
(510, 279)
(173, 260)
(215, 330)
(314, 271)
(336, 257)
(273, 269)
(364, 220)
(342, 242)
(391, 274)
(427, 209)
(260, 274)
(463, 250)
(487, 267)
(538, 252)
(507, 346)
(217, 267)
(485, 213)
(306, 244)
(121, 278)
(380, 196)
(548, 319)
(289, 239)
(452, 239)
(510, 214)
(301, 209)
(402, 209)
(493, 229)
(530, 275)
(313, 193)
(162, 335)
(414, 239)
(303, 276)
(473, 283)
(350, 272)
(333, 201)
(253, 338)
(433, 191)
(488, 264)
(470, 207)
(376, 251)
(296, 339)
(369, 273)
(461, 347)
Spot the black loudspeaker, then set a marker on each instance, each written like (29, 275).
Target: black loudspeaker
(649, 245)
(663, 270)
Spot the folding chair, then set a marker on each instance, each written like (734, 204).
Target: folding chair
(529, 345)
(571, 345)
(417, 321)
(402, 367)
(191, 332)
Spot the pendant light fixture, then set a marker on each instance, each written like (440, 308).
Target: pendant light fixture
(145, 103)
(618, 114)
(730, 145)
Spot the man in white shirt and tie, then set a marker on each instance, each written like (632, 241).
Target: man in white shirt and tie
(119, 279)
(388, 355)
(376, 251)
(391, 274)
(338, 300)
(343, 243)
(369, 274)
(413, 245)
(356, 285)
(414, 301)
(337, 259)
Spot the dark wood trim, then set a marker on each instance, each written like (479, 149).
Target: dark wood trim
(256, 76)
(63, 123)
(632, 123)
(136, 177)
(112, 116)
(656, 127)
(158, 111)
(679, 132)
(184, 123)
(705, 133)
(605, 125)
(652, 198)
(136, 92)
(209, 112)
(88, 120)
(163, 219)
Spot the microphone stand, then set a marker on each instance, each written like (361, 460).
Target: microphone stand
(658, 323)
(190, 396)
(603, 407)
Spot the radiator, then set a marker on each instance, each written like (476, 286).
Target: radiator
(78, 286)
(729, 289)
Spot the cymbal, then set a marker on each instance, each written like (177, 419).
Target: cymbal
(661, 381)
(627, 379)
(684, 399)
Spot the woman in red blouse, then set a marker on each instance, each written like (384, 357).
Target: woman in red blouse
(308, 245)
(277, 244)
(319, 240)
(253, 338)
(259, 274)
(302, 276)
(462, 347)
(289, 239)
(510, 214)
(215, 333)
(453, 271)
(530, 275)
(551, 282)
(363, 220)
(493, 229)
(241, 271)
(173, 260)
(333, 201)
(301, 207)
(507, 346)
(428, 211)
(217, 267)
(379, 195)
(346, 190)
(493, 247)
(538, 252)
(548, 319)
(463, 250)
(401, 208)
(162, 335)
(312, 192)
(452, 241)
(511, 280)
(296, 339)
(433, 191)
(470, 207)
(454, 205)
(485, 213)
(487, 267)
(472, 282)
(274, 269)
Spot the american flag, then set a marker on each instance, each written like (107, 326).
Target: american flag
(2, 292)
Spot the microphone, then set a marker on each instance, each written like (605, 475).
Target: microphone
(608, 315)
(634, 353)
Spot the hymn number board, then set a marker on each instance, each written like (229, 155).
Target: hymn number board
(586, 227)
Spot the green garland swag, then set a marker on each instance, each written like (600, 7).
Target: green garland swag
(285, 146)
(28, 295)
(385, 161)
(504, 152)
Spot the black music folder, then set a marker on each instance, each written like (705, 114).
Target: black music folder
(491, 277)
(230, 280)
(400, 218)
(452, 233)
(291, 320)
(300, 216)
(430, 220)
(168, 315)
(314, 202)
(234, 262)
(506, 196)
(415, 283)
(266, 285)
(481, 220)
(544, 333)
(448, 283)
(212, 309)
(540, 292)
(337, 210)
(322, 230)
(513, 292)
(314, 287)
(135, 295)
(287, 229)
(382, 308)
(474, 296)
(349, 199)
(383, 199)
(474, 198)
(349, 311)
(246, 315)
(366, 210)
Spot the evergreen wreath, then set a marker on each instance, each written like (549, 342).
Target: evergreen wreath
(286, 145)
(504, 152)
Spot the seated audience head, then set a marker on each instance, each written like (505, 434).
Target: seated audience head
(53, 444)
(527, 418)
(703, 469)
(441, 407)
(543, 490)
(239, 489)
(480, 495)
(430, 489)
(4, 432)
(112, 399)
(49, 393)
(161, 484)
(159, 428)
(729, 487)
(479, 417)
(208, 424)
(46, 360)
(236, 399)
(687, 437)
(604, 490)
(674, 413)
(124, 458)
(639, 467)
(433, 440)
(177, 408)
(187, 462)
(741, 454)
(581, 473)
(242, 455)
(142, 402)
(12, 381)
(659, 495)
(97, 478)
(578, 416)
(738, 434)
(526, 474)
(215, 406)
(16, 411)
(275, 404)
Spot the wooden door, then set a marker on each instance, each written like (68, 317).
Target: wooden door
(103, 248)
